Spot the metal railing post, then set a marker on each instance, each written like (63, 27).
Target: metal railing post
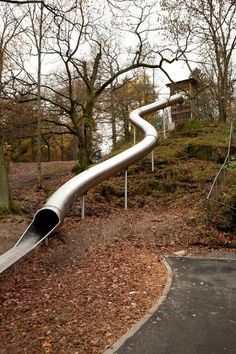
(213, 197)
(134, 135)
(153, 161)
(82, 207)
(126, 189)
(16, 267)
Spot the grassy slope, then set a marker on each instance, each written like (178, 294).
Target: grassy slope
(184, 163)
(185, 166)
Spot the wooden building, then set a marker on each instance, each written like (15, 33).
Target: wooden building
(188, 110)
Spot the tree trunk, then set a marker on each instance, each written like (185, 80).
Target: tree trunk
(222, 106)
(62, 148)
(126, 124)
(85, 148)
(222, 101)
(48, 151)
(113, 128)
(39, 110)
(33, 149)
(113, 118)
(223, 91)
(84, 160)
(4, 189)
(85, 138)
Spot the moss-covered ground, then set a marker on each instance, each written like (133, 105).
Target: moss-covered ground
(186, 164)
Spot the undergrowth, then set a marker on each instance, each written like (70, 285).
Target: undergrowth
(185, 166)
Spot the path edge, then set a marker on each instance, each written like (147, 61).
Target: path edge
(116, 346)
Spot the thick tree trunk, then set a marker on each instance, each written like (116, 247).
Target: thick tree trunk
(85, 148)
(222, 106)
(4, 189)
(223, 103)
(84, 159)
(223, 95)
(85, 138)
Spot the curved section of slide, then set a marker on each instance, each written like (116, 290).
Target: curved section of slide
(51, 215)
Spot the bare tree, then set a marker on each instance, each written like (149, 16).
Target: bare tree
(38, 23)
(88, 44)
(4, 189)
(95, 45)
(16, 2)
(210, 29)
(10, 30)
(123, 97)
(36, 34)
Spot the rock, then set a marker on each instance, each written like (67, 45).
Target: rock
(181, 253)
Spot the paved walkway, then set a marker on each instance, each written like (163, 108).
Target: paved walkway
(197, 316)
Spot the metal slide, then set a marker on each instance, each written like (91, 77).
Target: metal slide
(51, 215)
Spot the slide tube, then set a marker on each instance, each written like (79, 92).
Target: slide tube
(50, 216)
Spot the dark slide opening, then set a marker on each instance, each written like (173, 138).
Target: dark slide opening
(45, 221)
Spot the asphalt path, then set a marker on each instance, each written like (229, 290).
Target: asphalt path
(198, 314)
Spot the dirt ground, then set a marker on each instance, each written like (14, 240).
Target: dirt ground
(97, 276)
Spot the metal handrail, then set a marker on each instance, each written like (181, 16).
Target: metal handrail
(50, 216)
(209, 198)
(224, 163)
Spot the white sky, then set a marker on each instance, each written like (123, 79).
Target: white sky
(177, 71)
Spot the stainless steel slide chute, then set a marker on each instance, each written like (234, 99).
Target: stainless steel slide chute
(51, 215)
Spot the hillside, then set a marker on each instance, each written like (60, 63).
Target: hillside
(101, 274)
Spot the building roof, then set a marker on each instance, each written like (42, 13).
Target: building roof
(181, 82)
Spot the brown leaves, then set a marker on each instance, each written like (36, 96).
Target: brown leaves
(97, 277)
(86, 304)
(47, 347)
